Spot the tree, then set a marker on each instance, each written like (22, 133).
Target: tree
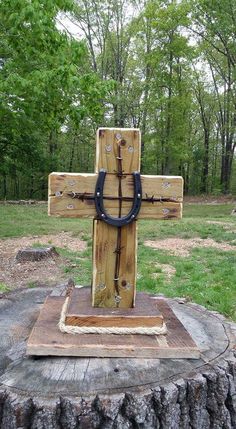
(45, 84)
(214, 23)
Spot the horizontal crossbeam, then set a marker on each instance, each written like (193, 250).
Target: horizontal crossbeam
(72, 195)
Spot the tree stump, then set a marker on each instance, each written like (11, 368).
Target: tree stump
(71, 393)
(33, 254)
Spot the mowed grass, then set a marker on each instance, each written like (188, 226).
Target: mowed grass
(207, 276)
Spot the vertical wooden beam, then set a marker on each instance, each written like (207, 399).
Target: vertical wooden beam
(104, 293)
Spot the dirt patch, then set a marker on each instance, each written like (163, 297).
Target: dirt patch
(166, 269)
(48, 271)
(182, 247)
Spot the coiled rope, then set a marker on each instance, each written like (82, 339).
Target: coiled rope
(69, 329)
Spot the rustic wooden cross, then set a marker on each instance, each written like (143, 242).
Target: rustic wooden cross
(72, 195)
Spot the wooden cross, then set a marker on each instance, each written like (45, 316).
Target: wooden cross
(118, 151)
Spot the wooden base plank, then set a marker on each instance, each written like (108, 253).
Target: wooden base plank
(47, 340)
(81, 313)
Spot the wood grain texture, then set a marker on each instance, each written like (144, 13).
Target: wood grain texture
(46, 339)
(81, 313)
(107, 149)
(104, 245)
(104, 293)
(160, 187)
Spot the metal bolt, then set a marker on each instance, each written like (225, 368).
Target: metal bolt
(139, 195)
(98, 194)
(70, 206)
(103, 215)
(130, 149)
(133, 216)
(58, 194)
(118, 136)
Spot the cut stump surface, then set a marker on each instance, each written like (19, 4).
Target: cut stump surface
(33, 254)
(119, 393)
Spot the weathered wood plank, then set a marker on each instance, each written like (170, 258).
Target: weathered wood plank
(46, 339)
(81, 313)
(104, 245)
(85, 209)
(107, 149)
(158, 187)
(114, 145)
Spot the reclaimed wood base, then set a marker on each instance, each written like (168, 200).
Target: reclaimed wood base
(47, 340)
(81, 313)
(61, 392)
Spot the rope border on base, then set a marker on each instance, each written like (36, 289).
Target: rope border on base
(69, 329)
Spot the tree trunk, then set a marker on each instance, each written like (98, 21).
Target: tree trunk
(205, 171)
(112, 393)
(4, 186)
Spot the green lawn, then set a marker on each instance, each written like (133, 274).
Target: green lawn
(207, 276)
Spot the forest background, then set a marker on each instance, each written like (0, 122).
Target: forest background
(167, 67)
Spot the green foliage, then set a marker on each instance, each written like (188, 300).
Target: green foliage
(206, 277)
(45, 84)
(18, 221)
(4, 288)
(167, 67)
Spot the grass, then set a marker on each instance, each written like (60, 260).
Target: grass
(207, 276)
(19, 221)
(4, 288)
(32, 284)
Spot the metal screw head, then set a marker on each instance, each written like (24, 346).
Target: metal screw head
(58, 194)
(103, 215)
(130, 149)
(70, 206)
(108, 147)
(101, 286)
(98, 194)
(118, 136)
(133, 216)
(165, 211)
(139, 195)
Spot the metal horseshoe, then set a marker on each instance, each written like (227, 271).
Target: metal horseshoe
(98, 198)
